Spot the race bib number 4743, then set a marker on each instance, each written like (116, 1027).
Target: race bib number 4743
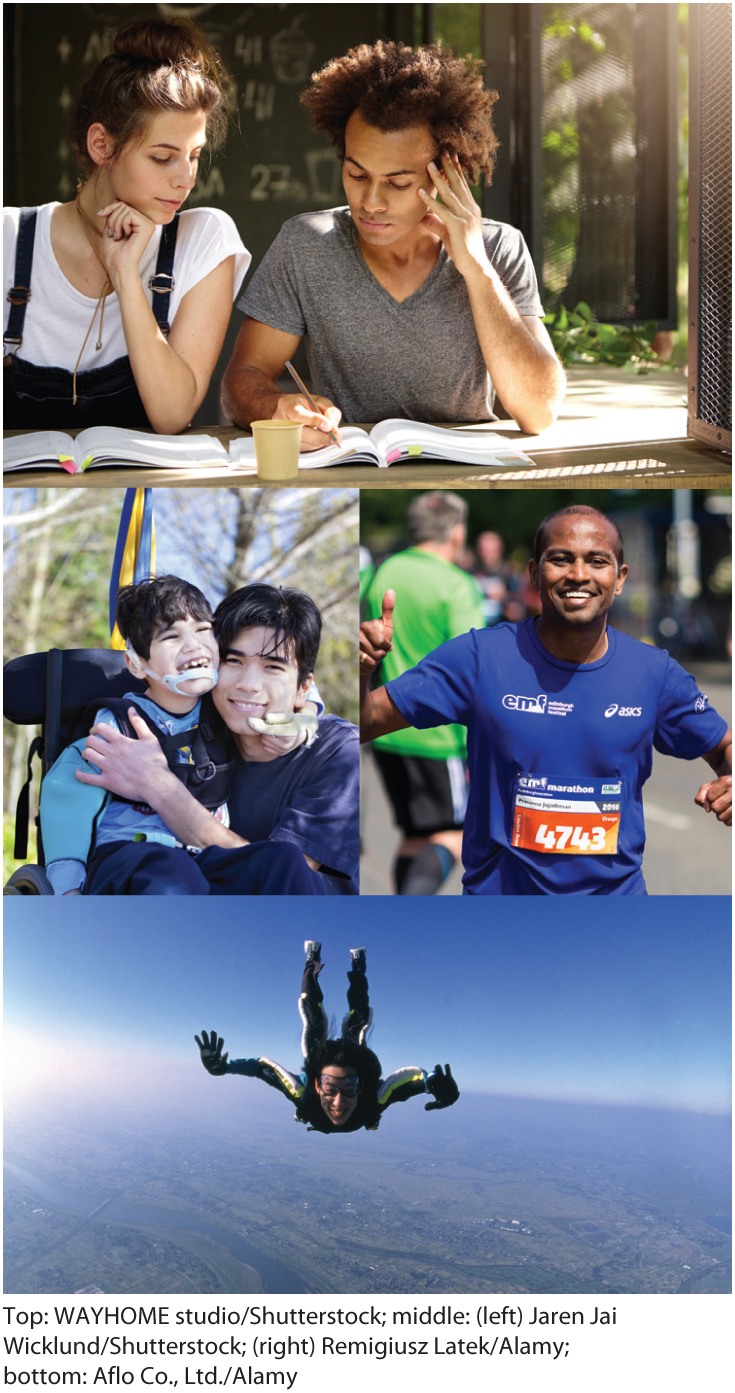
(579, 817)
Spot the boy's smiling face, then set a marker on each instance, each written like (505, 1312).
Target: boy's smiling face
(257, 679)
(183, 649)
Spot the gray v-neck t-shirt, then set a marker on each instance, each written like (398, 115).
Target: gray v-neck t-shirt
(371, 356)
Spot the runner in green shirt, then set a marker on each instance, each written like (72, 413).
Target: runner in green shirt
(425, 771)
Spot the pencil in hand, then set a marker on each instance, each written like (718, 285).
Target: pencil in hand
(332, 434)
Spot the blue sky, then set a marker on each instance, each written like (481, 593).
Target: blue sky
(615, 1002)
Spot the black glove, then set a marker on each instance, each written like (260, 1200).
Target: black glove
(210, 1049)
(442, 1087)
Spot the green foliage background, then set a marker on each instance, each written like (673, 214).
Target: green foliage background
(585, 31)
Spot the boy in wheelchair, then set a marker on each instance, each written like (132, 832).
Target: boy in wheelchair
(99, 843)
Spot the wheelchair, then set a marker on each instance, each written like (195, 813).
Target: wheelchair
(53, 690)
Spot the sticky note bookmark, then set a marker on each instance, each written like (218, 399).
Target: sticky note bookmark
(415, 449)
(68, 464)
(392, 456)
(86, 462)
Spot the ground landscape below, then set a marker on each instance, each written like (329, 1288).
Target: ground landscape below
(526, 1197)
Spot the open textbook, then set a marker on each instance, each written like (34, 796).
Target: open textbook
(110, 445)
(402, 442)
(390, 442)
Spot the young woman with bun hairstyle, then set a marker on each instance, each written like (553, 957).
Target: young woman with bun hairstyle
(130, 296)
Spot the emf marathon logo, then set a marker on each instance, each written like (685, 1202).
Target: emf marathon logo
(528, 781)
(701, 702)
(623, 711)
(535, 705)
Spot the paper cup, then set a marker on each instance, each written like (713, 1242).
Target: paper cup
(277, 445)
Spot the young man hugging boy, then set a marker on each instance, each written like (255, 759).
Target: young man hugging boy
(98, 843)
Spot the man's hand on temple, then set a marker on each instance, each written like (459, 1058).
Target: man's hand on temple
(457, 219)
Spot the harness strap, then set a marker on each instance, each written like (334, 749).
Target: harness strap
(208, 777)
(20, 293)
(202, 762)
(202, 767)
(162, 283)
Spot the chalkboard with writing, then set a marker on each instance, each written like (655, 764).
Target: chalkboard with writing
(273, 165)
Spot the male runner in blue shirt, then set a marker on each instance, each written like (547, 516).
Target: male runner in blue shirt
(562, 716)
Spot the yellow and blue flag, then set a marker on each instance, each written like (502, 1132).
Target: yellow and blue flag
(135, 552)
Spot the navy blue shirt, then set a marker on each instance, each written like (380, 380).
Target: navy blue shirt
(309, 797)
(558, 753)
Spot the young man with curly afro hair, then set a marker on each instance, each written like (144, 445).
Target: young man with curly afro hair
(411, 303)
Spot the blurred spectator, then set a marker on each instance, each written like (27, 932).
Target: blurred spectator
(425, 771)
(491, 574)
(466, 560)
(521, 599)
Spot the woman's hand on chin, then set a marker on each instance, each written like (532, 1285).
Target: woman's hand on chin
(125, 236)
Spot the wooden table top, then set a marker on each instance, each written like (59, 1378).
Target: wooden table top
(615, 429)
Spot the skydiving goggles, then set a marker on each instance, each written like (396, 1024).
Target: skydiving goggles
(330, 1086)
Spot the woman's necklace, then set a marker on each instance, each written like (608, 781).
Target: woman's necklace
(90, 233)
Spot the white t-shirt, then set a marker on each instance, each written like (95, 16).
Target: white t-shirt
(58, 316)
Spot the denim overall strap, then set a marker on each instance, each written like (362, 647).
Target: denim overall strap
(20, 293)
(162, 283)
(38, 398)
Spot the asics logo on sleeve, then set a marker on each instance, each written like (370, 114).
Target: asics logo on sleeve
(623, 711)
(535, 705)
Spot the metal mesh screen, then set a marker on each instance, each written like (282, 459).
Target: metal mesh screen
(714, 377)
(589, 157)
(656, 235)
(587, 121)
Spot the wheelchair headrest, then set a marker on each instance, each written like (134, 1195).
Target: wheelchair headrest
(86, 673)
